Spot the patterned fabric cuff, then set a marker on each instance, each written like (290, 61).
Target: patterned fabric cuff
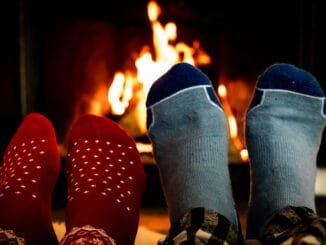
(202, 226)
(87, 235)
(10, 238)
(295, 225)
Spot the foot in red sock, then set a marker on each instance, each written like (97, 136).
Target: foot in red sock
(105, 178)
(28, 175)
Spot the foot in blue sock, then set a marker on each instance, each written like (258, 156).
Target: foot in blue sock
(285, 122)
(188, 129)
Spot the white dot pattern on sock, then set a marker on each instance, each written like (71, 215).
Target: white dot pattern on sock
(107, 167)
(21, 168)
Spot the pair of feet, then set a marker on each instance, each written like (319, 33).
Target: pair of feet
(104, 174)
(188, 129)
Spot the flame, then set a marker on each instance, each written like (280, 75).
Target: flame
(232, 123)
(233, 126)
(128, 88)
(120, 93)
(221, 91)
(244, 155)
(125, 88)
(153, 11)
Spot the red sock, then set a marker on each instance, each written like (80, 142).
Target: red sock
(105, 178)
(28, 175)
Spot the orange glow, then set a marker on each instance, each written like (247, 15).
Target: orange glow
(128, 90)
(221, 90)
(125, 88)
(153, 11)
(244, 155)
(120, 93)
(232, 123)
(233, 126)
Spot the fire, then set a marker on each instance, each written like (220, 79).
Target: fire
(126, 86)
(120, 93)
(130, 90)
(232, 123)
(221, 90)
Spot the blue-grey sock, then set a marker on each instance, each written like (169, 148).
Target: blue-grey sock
(285, 122)
(188, 129)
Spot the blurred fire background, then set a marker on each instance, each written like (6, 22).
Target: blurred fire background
(59, 57)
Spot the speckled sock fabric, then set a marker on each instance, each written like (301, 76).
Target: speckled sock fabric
(28, 175)
(188, 129)
(285, 122)
(105, 178)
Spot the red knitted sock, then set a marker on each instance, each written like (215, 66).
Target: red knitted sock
(105, 179)
(28, 175)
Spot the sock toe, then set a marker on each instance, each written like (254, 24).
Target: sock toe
(289, 77)
(179, 77)
(90, 126)
(28, 174)
(105, 179)
(35, 124)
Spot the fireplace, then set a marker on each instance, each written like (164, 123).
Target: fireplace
(60, 58)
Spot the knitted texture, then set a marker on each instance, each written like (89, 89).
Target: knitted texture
(105, 178)
(188, 129)
(284, 127)
(27, 178)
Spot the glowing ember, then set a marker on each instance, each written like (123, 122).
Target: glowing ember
(244, 155)
(221, 90)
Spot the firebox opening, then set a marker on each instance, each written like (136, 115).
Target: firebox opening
(119, 92)
(116, 58)
(73, 50)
